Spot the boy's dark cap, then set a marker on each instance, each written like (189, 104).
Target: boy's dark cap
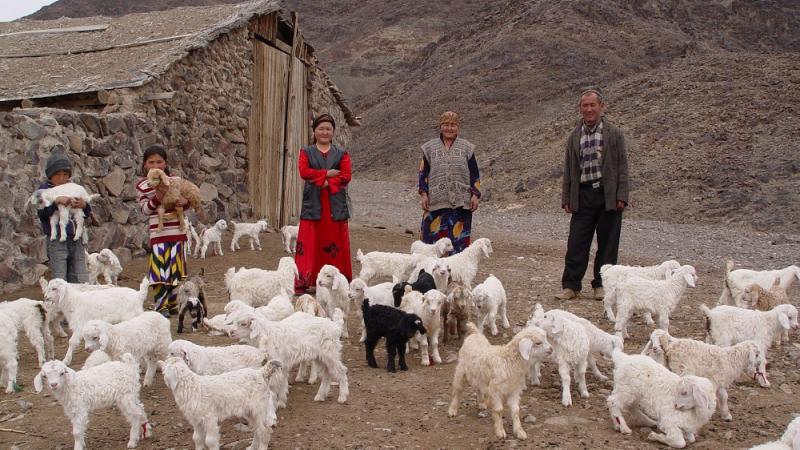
(58, 160)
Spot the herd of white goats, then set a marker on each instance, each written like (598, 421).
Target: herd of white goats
(674, 385)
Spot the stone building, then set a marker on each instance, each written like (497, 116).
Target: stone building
(230, 90)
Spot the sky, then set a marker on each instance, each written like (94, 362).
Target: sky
(14, 9)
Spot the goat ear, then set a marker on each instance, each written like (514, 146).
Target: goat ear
(689, 279)
(37, 382)
(526, 348)
(103, 339)
(253, 333)
(699, 396)
(170, 377)
(783, 318)
(186, 358)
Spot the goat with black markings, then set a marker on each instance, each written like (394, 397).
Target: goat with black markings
(192, 298)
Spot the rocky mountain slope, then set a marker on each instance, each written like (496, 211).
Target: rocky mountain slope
(706, 90)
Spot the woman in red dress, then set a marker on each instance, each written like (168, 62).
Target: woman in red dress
(323, 237)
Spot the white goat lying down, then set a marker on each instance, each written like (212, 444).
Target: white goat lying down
(250, 230)
(205, 400)
(43, 198)
(489, 298)
(112, 305)
(678, 405)
(659, 297)
(146, 337)
(387, 264)
(736, 281)
(600, 342)
(104, 263)
(614, 275)
(729, 325)
(115, 383)
(463, 266)
(789, 441)
(30, 316)
(439, 249)
(498, 373)
(722, 365)
(299, 338)
(256, 287)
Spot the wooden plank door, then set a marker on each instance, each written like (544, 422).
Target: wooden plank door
(297, 124)
(267, 133)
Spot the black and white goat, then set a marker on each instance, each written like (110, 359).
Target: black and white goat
(393, 324)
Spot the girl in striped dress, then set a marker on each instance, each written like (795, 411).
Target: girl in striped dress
(167, 265)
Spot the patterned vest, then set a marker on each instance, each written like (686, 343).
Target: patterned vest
(312, 208)
(448, 179)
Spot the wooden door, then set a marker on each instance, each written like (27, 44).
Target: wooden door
(267, 132)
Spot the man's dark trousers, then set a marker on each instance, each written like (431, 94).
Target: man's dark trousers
(590, 217)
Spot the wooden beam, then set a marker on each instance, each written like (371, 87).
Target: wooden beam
(80, 29)
(157, 96)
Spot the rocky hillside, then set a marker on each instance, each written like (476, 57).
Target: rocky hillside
(707, 91)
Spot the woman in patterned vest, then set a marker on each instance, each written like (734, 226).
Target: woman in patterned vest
(323, 237)
(449, 185)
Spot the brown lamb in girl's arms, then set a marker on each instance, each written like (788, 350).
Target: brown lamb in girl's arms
(169, 190)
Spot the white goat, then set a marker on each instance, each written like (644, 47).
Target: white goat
(600, 342)
(213, 235)
(659, 297)
(722, 365)
(498, 373)
(145, 336)
(678, 405)
(439, 249)
(387, 264)
(736, 281)
(463, 266)
(30, 316)
(250, 230)
(295, 340)
(205, 400)
(729, 325)
(490, 298)
(114, 383)
(789, 441)
(112, 305)
(333, 292)
(613, 275)
(289, 238)
(256, 287)
(8, 352)
(43, 198)
(571, 350)
(104, 263)
(428, 307)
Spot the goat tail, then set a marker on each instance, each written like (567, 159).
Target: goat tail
(707, 314)
(270, 367)
(359, 255)
(729, 265)
(143, 287)
(472, 329)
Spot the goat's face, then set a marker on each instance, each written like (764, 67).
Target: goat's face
(241, 325)
(688, 274)
(459, 298)
(412, 324)
(37, 199)
(262, 226)
(178, 349)
(221, 225)
(433, 300)
(441, 270)
(693, 393)
(552, 324)
(328, 277)
(195, 308)
(286, 264)
(750, 296)
(486, 246)
(157, 177)
(105, 256)
(787, 316)
(56, 290)
(481, 300)
(757, 364)
(95, 335)
(56, 373)
(533, 344)
(445, 246)
(357, 289)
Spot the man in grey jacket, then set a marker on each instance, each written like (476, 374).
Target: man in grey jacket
(595, 192)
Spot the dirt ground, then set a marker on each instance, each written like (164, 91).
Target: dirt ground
(409, 409)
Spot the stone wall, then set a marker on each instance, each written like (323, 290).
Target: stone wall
(204, 127)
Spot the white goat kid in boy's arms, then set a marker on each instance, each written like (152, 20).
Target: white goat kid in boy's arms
(43, 198)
